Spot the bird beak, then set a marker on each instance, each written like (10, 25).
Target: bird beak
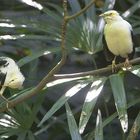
(101, 15)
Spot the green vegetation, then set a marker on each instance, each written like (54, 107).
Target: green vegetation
(49, 38)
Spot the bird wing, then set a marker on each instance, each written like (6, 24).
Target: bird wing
(108, 55)
(131, 55)
(3, 63)
(2, 79)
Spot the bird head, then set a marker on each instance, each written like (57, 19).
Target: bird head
(110, 15)
(16, 82)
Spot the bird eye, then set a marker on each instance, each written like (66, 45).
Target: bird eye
(112, 14)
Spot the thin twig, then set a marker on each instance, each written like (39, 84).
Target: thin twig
(81, 11)
(101, 71)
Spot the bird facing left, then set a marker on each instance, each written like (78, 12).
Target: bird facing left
(10, 75)
(118, 37)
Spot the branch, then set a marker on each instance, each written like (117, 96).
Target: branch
(101, 71)
(48, 77)
(82, 10)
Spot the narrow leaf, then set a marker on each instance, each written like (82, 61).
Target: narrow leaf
(71, 92)
(72, 124)
(131, 10)
(35, 55)
(99, 127)
(91, 135)
(21, 136)
(136, 70)
(90, 102)
(30, 136)
(32, 3)
(135, 128)
(120, 99)
(64, 80)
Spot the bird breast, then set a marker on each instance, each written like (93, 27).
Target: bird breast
(118, 38)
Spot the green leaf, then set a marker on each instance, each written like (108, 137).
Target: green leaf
(30, 136)
(75, 6)
(38, 102)
(99, 127)
(72, 124)
(108, 120)
(71, 92)
(21, 136)
(32, 3)
(135, 128)
(35, 55)
(120, 99)
(109, 4)
(9, 133)
(136, 70)
(90, 102)
(131, 10)
(64, 80)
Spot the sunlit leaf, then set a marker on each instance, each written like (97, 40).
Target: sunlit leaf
(8, 121)
(90, 102)
(72, 124)
(136, 70)
(131, 10)
(32, 3)
(99, 127)
(10, 25)
(109, 119)
(109, 4)
(117, 85)
(64, 80)
(8, 126)
(61, 101)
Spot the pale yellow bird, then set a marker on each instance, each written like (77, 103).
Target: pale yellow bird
(118, 37)
(10, 75)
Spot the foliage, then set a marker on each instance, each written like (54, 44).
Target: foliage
(42, 27)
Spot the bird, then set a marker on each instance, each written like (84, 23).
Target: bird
(10, 75)
(117, 38)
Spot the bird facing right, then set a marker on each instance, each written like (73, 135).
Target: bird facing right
(118, 36)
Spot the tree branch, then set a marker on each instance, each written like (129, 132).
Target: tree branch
(47, 78)
(81, 11)
(50, 75)
(101, 71)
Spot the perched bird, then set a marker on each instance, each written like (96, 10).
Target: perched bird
(10, 75)
(118, 37)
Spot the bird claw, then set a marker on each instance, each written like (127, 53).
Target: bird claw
(127, 65)
(114, 67)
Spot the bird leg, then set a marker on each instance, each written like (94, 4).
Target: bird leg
(127, 64)
(114, 65)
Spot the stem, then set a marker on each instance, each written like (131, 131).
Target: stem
(81, 11)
